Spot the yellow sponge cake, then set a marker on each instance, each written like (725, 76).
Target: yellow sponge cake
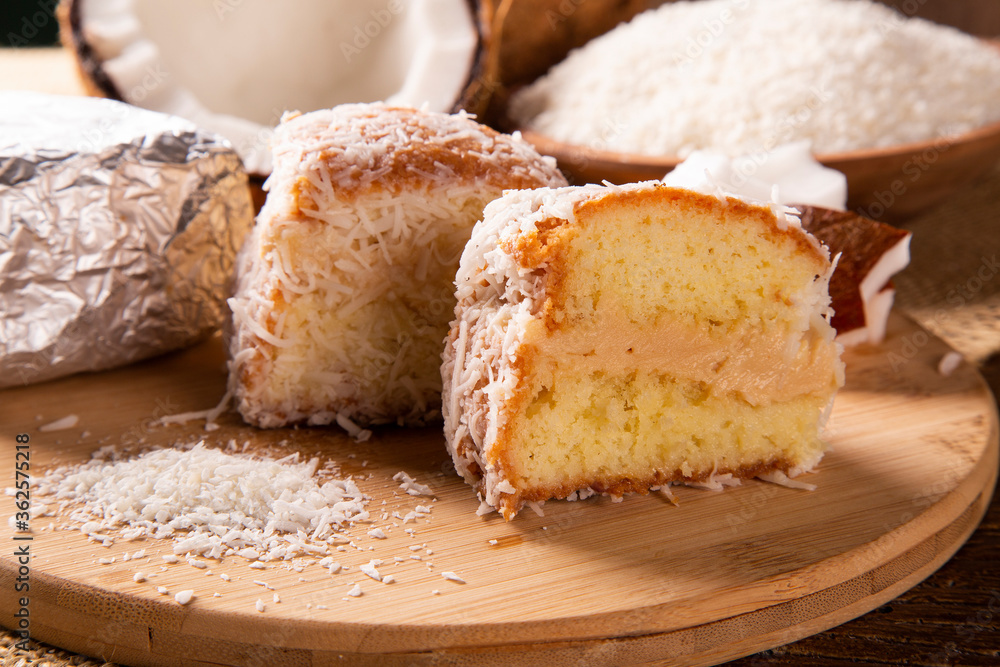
(612, 339)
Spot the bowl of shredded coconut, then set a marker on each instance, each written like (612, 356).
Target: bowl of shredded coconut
(908, 109)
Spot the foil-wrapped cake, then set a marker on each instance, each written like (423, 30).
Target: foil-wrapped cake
(119, 229)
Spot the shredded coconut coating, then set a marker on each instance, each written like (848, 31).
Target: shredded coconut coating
(500, 297)
(338, 315)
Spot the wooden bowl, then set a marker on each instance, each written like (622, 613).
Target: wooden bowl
(890, 184)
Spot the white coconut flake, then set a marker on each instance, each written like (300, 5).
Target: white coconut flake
(184, 597)
(781, 479)
(370, 569)
(411, 486)
(138, 577)
(209, 502)
(162, 590)
(356, 591)
(949, 363)
(69, 421)
(377, 533)
(451, 576)
(260, 606)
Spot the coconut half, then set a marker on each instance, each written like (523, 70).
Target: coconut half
(235, 66)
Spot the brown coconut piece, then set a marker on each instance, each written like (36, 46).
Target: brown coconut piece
(870, 253)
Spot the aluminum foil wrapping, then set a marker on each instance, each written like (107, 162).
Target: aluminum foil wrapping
(119, 229)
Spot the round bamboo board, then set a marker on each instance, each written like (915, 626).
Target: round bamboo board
(911, 470)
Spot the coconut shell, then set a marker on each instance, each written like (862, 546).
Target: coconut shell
(861, 243)
(95, 80)
(523, 39)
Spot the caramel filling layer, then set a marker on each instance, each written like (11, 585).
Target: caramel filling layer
(762, 367)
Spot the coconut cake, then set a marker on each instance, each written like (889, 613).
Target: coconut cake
(612, 339)
(345, 287)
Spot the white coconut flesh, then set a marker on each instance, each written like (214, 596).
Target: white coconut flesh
(234, 66)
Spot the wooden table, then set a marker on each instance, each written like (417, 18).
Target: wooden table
(953, 617)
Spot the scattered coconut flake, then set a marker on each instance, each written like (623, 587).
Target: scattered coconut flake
(216, 595)
(411, 486)
(105, 561)
(209, 502)
(370, 569)
(138, 577)
(536, 507)
(356, 591)
(493, 543)
(451, 576)
(263, 583)
(667, 493)
(141, 553)
(388, 579)
(259, 606)
(184, 596)
(170, 558)
(257, 565)
(224, 577)
(162, 590)
(781, 479)
(949, 363)
(276, 598)
(435, 592)
(209, 415)
(716, 482)
(199, 564)
(377, 533)
(69, 421)
(359, 434)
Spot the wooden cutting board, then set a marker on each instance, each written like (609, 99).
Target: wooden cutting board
(724, 574)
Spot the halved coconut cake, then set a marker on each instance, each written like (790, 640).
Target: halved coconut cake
(612, 339)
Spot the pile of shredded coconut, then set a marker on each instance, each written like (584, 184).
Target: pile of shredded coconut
(210, 502)
(744, 76)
